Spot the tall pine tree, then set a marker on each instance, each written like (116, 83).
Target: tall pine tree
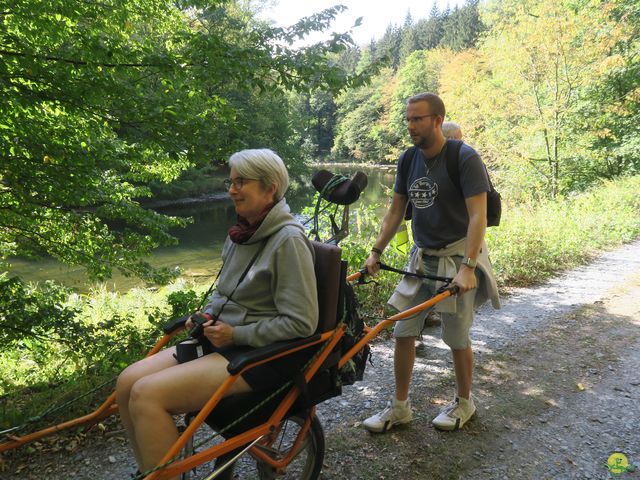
(430, 31)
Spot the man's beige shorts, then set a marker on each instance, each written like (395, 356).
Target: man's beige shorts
(455, 326)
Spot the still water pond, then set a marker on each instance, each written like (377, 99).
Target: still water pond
(200, 243)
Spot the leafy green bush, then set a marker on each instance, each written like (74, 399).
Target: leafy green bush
(57, 345)
(534, 241)
(32, 314)
(183, 302)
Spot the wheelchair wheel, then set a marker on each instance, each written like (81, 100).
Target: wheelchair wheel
(306, 465)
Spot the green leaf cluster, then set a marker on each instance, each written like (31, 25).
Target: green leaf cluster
(99, 99)
(33, 314)
(536, 240)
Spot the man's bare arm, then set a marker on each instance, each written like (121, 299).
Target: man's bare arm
(477, 209)
(388, 229)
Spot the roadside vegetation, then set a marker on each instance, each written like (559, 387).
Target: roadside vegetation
(83, 341)
(105, 106)
(533, 241)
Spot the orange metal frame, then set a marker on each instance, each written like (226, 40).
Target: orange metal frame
(107, 408)
(268, 429)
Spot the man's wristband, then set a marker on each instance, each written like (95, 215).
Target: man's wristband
(470, 262)
(376, 250)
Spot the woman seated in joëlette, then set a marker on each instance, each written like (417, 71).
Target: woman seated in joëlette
(276, 299)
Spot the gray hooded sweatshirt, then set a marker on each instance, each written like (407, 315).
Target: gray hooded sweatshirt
(277, 299)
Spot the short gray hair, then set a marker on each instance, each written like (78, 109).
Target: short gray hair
(451, 130)
(264, 165)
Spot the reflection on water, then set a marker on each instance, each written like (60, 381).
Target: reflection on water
(197, 254)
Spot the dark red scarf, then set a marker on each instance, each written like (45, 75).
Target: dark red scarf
(243, 230)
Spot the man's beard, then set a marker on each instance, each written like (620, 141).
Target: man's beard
(422, 142)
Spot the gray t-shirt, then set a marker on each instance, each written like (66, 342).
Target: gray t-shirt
(440, 214)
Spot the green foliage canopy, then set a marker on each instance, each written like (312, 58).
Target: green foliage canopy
(100, 98)
(610, 110)
(527, 97)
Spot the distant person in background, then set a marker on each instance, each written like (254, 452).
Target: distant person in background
(451, 130)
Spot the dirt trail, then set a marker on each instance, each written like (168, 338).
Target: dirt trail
(557, 384)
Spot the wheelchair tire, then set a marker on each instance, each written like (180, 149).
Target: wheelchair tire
(307, 464)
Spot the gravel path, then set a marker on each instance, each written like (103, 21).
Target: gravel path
(534, 421)
(557, 386)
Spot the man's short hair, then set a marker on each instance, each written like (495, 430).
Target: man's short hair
(434, 101)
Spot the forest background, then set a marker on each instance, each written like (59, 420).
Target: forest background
(106, 105)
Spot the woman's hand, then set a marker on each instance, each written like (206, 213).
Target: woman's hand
(220, 334)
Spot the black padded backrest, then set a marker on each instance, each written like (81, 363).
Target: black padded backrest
(327, 267)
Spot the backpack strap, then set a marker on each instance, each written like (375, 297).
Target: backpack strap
(410, 153)
(453, 167)
(407, 160)
(452, 156)
(494, 203)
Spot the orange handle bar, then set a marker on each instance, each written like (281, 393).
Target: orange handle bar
(372, 332)
(356, 275)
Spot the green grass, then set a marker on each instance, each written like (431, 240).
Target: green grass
(535, 241)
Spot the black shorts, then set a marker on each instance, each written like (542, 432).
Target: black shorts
(267, 376)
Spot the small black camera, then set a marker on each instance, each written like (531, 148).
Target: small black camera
(198, 320)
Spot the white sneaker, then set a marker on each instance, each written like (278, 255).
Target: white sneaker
(455, 414)
(394, 414)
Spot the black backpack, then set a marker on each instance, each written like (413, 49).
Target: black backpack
(353, 370)
(494, 202)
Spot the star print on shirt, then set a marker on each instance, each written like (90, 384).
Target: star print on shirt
(423, 192)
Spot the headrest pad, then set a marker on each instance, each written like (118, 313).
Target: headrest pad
(346, 192)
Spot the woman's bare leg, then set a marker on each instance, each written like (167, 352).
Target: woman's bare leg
(126, 380)
(179, 389)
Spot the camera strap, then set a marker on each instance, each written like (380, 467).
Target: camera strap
(193, 348)
(244, 274)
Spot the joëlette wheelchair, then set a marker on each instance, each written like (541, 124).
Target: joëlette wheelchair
(278, 431)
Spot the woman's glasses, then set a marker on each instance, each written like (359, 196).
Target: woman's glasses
(237, 183)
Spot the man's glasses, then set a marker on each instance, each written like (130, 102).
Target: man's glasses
(237, 183)
(417, 118)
